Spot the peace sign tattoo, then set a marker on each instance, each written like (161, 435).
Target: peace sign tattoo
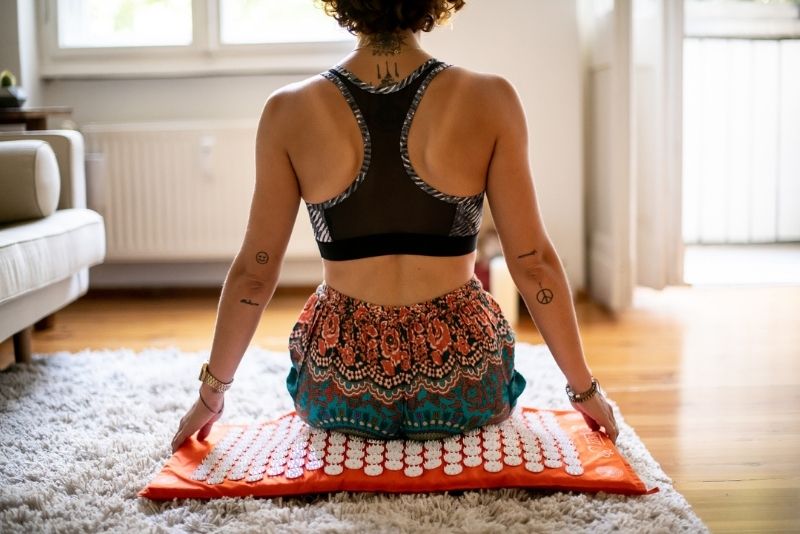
(544, 295)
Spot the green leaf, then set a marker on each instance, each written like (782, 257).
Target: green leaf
(7, 78)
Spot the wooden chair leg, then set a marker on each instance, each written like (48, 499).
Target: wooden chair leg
(45, 323)
(6, 353)
(22, 345)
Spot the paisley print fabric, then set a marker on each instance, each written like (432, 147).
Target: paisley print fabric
(421, 371)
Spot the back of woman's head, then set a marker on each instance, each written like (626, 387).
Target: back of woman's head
(382, 16)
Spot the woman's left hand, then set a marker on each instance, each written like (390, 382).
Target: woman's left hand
(199, 417)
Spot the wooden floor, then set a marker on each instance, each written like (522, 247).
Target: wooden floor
(709, 378)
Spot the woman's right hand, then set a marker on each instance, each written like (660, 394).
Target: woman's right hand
(598, 412)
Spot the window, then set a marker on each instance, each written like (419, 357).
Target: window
(107, 23)
(141, 38)
(286, 21)
(748, 19)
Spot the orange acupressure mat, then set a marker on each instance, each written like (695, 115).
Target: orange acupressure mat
(533, 448)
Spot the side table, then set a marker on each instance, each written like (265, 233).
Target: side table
(32, 118)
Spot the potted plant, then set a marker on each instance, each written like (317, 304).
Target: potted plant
(11, 95)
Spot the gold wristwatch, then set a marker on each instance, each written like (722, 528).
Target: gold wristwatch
(211, 380)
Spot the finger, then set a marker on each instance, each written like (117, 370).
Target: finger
(205, 431)
(177, 441)
(613, 423)
(610, 424)
(178, 433)
(591, 422)
(180, 437)
(176, 438)
(611, 431)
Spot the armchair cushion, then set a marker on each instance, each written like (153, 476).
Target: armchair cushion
(37, 253)
(29, 180)
(69, 148)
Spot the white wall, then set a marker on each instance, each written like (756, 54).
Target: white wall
(19, 47)
(533, 43)
(9, 38)
(29, 52)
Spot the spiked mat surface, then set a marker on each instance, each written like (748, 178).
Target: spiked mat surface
(285, 457)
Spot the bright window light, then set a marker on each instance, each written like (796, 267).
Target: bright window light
(277, 21)
(119, 23)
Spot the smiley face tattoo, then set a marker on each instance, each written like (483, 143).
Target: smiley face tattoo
(544, 295)
(261, 257)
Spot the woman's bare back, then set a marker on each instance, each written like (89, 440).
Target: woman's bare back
(450, 145)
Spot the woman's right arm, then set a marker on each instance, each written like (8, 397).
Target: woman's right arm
(530, 255)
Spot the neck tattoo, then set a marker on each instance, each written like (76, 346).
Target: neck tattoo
(388, 79)
(384, 44)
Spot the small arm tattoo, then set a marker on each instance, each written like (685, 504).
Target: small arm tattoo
(250, 302)
(544, 295)
(262, 257)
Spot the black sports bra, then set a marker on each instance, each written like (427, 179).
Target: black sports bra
(388, 208)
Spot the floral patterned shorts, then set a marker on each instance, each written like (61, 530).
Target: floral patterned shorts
(422, 371)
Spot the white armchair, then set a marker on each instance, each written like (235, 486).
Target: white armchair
(48, 238)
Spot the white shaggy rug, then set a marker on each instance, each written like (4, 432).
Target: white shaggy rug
(81, 434)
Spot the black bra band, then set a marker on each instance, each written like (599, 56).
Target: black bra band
(401, 243)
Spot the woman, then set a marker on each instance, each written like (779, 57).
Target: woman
(401, 339)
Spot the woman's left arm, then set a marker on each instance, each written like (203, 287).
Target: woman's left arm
(253, 275)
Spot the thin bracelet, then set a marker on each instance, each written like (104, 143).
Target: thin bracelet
(209, 407)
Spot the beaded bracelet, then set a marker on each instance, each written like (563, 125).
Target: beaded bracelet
(584, 396)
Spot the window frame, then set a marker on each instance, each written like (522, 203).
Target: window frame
(205, 56)
(725, 19)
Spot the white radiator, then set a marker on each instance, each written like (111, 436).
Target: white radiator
(177, 190)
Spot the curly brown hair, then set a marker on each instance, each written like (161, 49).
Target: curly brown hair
(381, 16)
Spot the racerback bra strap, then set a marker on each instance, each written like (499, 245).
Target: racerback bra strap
(388, 208)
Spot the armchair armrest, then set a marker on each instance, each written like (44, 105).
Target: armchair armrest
(69, 149)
